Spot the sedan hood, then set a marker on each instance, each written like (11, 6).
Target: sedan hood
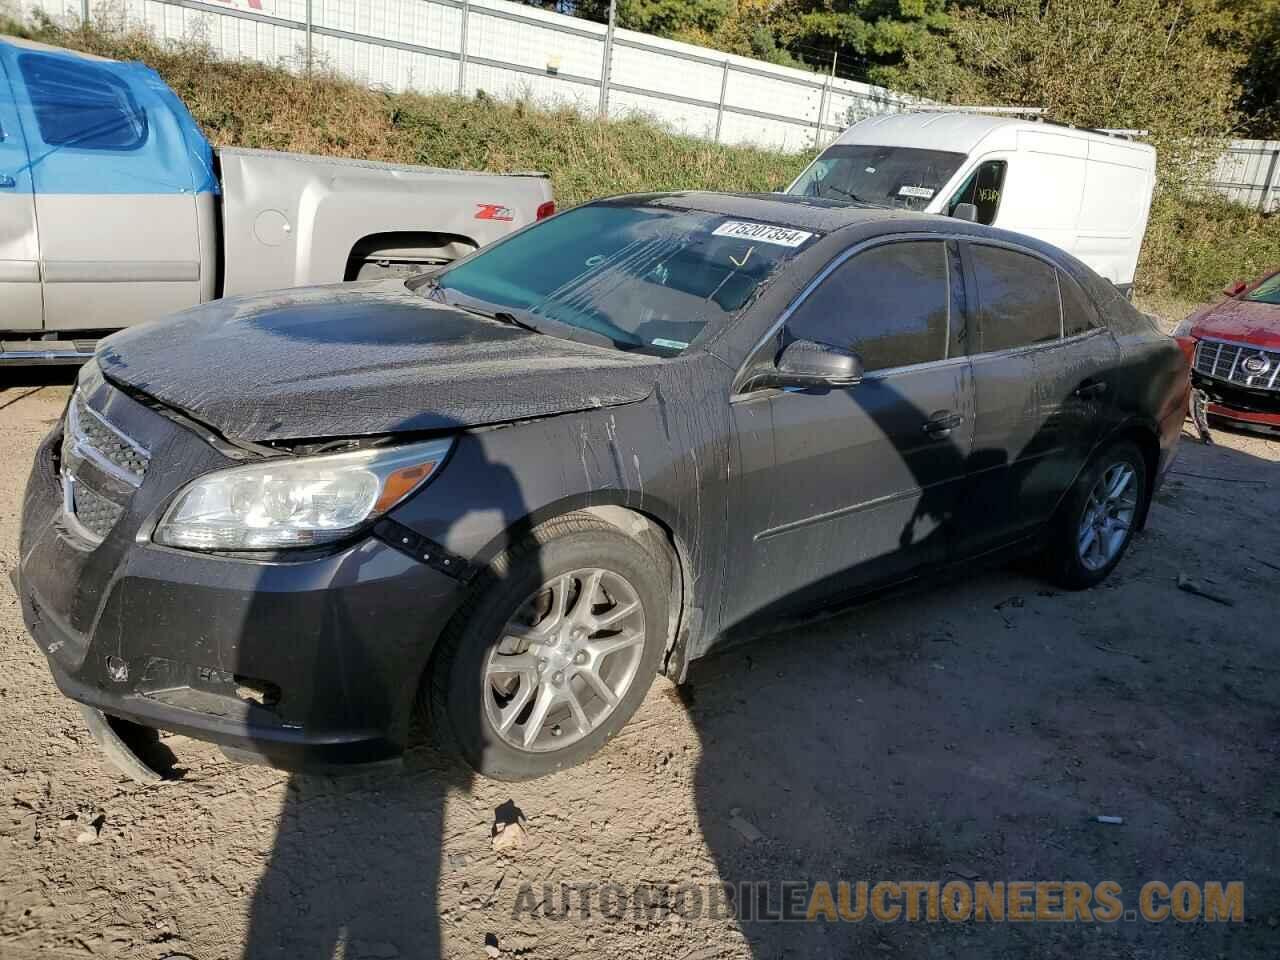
(1241, 320)
(361, 358)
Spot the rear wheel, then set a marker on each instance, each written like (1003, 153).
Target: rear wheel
(554, 651)
(1097, 521)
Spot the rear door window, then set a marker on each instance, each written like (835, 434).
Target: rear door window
(890, 304)
(1018, 303)
(80, 105)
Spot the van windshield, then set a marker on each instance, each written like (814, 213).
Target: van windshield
(902, 177)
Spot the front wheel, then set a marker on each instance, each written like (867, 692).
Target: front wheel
(553, 653)
(1096, 522)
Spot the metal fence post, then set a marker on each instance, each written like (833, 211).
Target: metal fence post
(724, 88)
(84, 13)
(308, 41)
(822, 104)
(462, 47)
(1268, 183)
(606, 64)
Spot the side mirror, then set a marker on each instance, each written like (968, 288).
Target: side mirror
(804, 363)
(1235, 288)
(965, 211)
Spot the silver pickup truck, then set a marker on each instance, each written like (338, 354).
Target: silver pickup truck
(114, 209)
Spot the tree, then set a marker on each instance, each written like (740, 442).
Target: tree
(1152, 65)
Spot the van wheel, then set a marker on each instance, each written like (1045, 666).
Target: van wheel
(1096, 522)
(553, 651)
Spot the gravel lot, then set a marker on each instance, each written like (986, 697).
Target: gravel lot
(972, 729)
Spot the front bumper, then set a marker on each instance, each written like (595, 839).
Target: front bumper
(311, 664)
(1267, 424)
(1257, 411)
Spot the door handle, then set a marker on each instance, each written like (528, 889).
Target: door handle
(940, 425)
(1090, 389)
(7, 182)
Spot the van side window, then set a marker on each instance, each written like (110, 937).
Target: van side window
(890, 304)
(80, 105)
(983, 190)
(1078, 314)
(1017, 298)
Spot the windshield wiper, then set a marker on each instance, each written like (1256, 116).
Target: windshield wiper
(505, 316)
(852, 196)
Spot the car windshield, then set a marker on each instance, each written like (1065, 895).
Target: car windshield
(1268, 291)
(637, 277)
(900, 177)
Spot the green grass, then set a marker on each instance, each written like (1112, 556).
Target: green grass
(1192, 248)
(1196, 247)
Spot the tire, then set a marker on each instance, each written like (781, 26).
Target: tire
(1068, 562)
(463, 705)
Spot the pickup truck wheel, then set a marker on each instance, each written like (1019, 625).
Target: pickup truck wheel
(553, 652)
(1096, 522)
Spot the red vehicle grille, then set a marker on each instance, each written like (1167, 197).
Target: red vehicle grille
(1239, 363)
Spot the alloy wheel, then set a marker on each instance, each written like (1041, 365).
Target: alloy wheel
(565, 660)
(1108, 516)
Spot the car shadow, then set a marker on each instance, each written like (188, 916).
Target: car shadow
(355, 865)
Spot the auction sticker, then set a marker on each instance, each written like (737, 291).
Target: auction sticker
(924, 193)
(762, 233)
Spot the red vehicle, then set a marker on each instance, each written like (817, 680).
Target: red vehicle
(1234, 349)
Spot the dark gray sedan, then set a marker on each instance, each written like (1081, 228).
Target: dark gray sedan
(513, 491)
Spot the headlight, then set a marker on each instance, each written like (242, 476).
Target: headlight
(296, 502)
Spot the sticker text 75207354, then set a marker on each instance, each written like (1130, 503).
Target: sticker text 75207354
(762, 233)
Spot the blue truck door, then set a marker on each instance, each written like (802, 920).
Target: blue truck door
(21, 305)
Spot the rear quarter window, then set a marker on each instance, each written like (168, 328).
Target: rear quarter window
(1078, 314)
(78, 104)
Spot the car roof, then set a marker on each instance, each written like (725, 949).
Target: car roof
(936, 131)
(958, 132)
(798, 212)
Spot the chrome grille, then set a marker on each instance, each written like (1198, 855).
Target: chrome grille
(1240, 363)
(94, 504)
(107, 443)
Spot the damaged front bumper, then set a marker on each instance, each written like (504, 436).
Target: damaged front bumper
(1256, 411)
(309, 663)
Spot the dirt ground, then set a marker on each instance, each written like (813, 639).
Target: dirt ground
(974, 729)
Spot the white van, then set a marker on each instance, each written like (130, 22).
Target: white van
(1084, 191)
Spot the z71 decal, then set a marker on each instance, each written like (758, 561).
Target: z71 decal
(493, 211)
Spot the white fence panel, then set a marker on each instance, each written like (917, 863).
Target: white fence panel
(1249, 174)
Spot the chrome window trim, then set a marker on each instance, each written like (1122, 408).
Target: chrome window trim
(1044, 345)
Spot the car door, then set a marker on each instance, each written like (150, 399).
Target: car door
(21, 304)
(1040, 398)
(113, 190)
(838, 490)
